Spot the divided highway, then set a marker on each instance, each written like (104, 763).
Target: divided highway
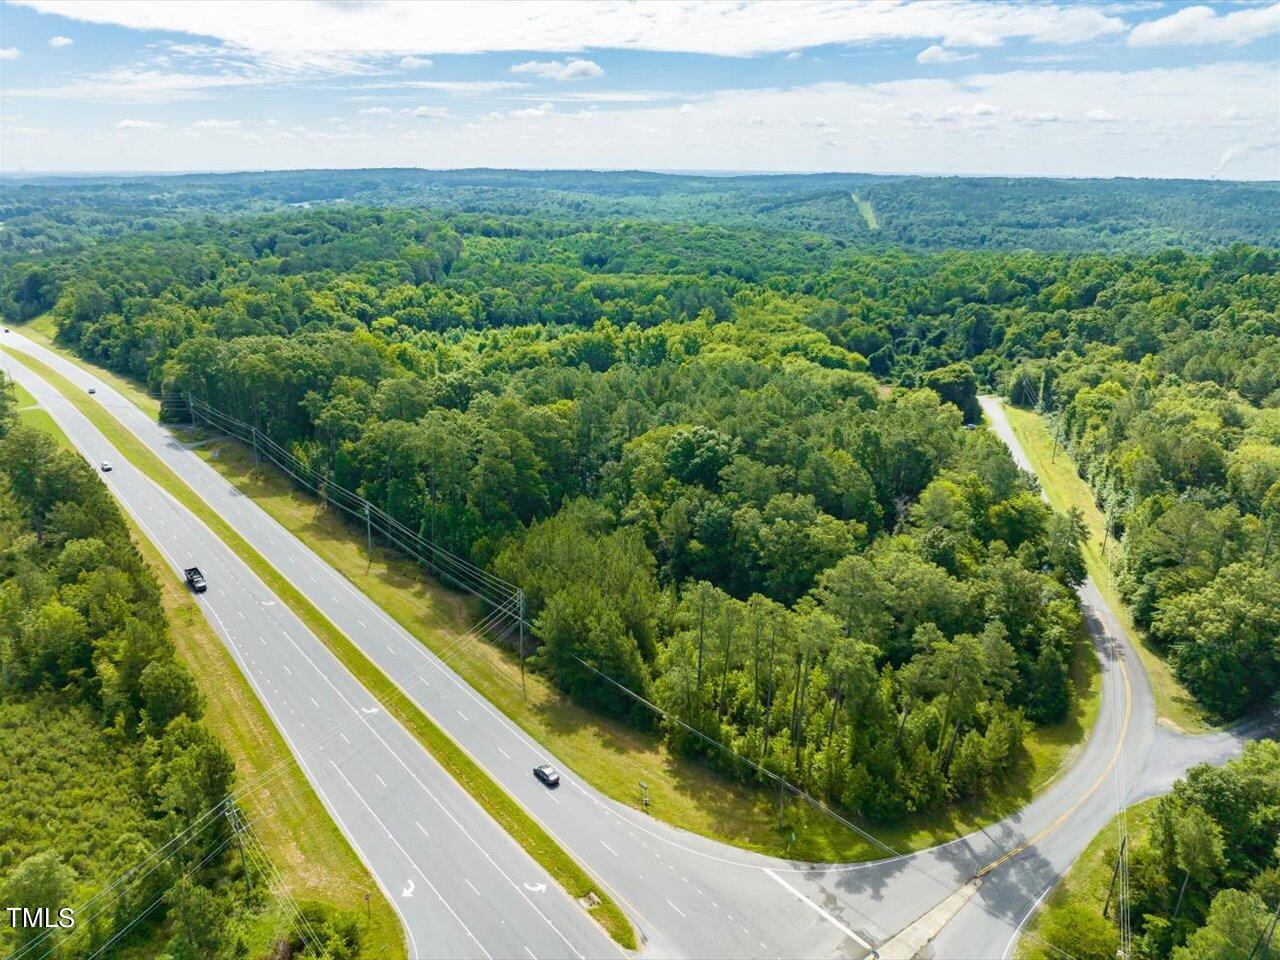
(461, 885)
(689, 896)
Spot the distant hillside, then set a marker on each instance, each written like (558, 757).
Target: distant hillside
(929, 213)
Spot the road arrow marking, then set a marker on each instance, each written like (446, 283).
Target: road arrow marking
(408, 889)
(368, 709)
(535, 887)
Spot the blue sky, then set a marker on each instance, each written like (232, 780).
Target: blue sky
(923, 86)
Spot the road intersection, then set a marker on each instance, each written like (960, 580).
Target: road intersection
(689, 896)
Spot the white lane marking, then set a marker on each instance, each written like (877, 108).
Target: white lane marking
(417, 779)
(609, 848)
(286, 669)
(530, 953)
(381, 781)
(463, 716)
(675, 908)
(423, 829)
(504, 753)
(821, 912)
(313, 702)
(416, 868)
(471, 885)
(344, 739)
(1017, 931)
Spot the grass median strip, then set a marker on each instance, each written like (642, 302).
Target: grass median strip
(460, 765)
(1065, 489)
(300, 838)
(613, 757)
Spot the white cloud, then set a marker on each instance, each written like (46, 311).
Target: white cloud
(1201, 24)
(60, 41)
(425, 113)
(376, 111)
(217, 124)
(756, 120)
(414, 63)
(940, 54)
(1100, 116)
(1232, 113)
(541, 110)
(795, 55)
(10, 53)
(457, 87)
(559, 70)
(476, 26)
(130, 124)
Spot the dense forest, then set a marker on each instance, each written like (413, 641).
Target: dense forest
(104, 759)
(674, 439)
(1204, 872)
(859, 211)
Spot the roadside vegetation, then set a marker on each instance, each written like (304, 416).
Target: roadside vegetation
(1066, 490)
(499, 804)
(108, 751)
(1204, 867)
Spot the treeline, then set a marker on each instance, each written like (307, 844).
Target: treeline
(919, 213)
(1204, 877)
(105, 755)
(705, 495)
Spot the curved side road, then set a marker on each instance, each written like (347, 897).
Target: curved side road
(1148, 758)
(462, 886)
(695, 897)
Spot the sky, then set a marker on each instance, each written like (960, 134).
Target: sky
(1137, 88)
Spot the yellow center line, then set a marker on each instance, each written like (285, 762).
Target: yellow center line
(1115, 756)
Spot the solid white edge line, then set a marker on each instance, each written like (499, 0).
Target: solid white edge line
(823, 913)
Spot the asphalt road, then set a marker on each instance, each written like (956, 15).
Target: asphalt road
(459, 882)
(690, 896)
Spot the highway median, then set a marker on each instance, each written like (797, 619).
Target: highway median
(503, 808)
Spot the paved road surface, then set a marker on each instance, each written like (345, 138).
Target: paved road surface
(415, 827)
(694, 897)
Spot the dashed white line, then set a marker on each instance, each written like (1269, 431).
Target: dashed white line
(609, 848)
(472, 886)
(504, 753)
(674, 907)
(423, 829)
(381, 781)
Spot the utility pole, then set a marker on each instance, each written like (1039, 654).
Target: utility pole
(255, 447)
(237, 827)
(523, 692)
(368, 538)
(191, 409)
(1107, 906)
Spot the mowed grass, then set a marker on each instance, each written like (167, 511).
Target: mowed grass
(614, 757)
(492, 798)
(1086, 883)
(300, 839)
(33, 416)
(1065, 489)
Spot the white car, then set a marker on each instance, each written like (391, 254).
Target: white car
(106, 466)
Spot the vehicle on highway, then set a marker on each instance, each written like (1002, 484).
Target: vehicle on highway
(547, 774)
(195, 579)
(93, 390)
(105, 466)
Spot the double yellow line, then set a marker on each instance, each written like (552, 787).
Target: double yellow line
(1115, 757)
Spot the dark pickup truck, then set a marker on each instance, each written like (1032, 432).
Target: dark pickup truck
(195, 579)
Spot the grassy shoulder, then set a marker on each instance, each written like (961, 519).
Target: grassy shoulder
(497, 802)
(614, 757)
(1065, 489)
(1085, 885)
(296, 832)
(313, 857)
